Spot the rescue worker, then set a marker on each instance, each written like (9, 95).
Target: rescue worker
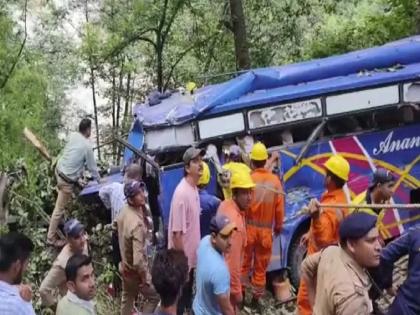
(208, 202)
(113, 198)
(380, 191)
(56, 277)
(407, 300)
(336, 277)
(76, 153)
(184, 220)
(234, 164)
(234, 209)
(324, 225)
(134, 236)
(266, 212)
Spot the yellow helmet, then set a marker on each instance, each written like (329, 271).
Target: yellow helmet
(191, 87)
(241, 179)
(205, 176)
(338, 166)
(259, 152)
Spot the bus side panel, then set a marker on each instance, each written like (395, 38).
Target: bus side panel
(397, 150)
(169, 179)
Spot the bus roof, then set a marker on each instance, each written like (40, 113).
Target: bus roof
(394, 62)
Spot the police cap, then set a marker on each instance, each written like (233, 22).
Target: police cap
(356, 225)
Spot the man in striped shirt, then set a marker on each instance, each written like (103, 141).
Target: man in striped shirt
(15, 250)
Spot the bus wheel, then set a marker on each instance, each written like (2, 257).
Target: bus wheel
(296, 255)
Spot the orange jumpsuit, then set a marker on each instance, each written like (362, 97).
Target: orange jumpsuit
(322, 233)
(266, 212)
(234, 257)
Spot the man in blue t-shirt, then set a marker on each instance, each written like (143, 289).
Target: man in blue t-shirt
(213, 278)
(208, 202)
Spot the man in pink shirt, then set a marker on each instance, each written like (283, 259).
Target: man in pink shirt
(184, 219)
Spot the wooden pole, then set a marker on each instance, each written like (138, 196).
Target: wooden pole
(408, 206)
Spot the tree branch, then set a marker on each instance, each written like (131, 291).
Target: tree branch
(165, 33)
(162, 18)
(182, 55)
(129, 40)
(9, 74)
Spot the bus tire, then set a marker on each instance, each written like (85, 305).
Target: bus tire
(296, 255)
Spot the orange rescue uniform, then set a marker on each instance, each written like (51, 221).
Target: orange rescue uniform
(233, 259)
(266, 212)
(322, 233)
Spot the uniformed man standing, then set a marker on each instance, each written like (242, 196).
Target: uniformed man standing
(323, 230)
(407, 300)
(264, 216)
(134, 236)
(380, 191)
(56, 277)
(234, 208)
(336, 278)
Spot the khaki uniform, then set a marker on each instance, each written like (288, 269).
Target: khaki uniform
(65, 193)
(341, 284)
(56, 277)
(134, 238)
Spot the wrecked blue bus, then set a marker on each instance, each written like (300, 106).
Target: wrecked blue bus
(363, 105)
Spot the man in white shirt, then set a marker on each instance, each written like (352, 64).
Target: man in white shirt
(80, 276)
(112, 195)
(77, 153)
(15, 250)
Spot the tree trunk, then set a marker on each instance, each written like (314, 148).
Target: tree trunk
(114, 102)
(3, 208)
(159, 67)
(117, 130)
(92, 85)
(127, 102)
(95, 108)
(125, 115)
(417, 17)
(243, 60)
(119, 91)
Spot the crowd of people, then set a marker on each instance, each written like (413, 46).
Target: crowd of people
(216, 249)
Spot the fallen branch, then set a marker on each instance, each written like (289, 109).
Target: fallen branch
(36, 143)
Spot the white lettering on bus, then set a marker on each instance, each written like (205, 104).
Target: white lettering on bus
(390, 145)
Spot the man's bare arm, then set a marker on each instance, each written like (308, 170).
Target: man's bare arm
(225, 306)
(177, 240)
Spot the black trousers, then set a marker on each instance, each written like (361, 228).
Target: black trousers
(185, 301)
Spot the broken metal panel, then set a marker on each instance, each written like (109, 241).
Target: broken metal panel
(362, 100)
(219, 126)
(169, 137)
(284, 113)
